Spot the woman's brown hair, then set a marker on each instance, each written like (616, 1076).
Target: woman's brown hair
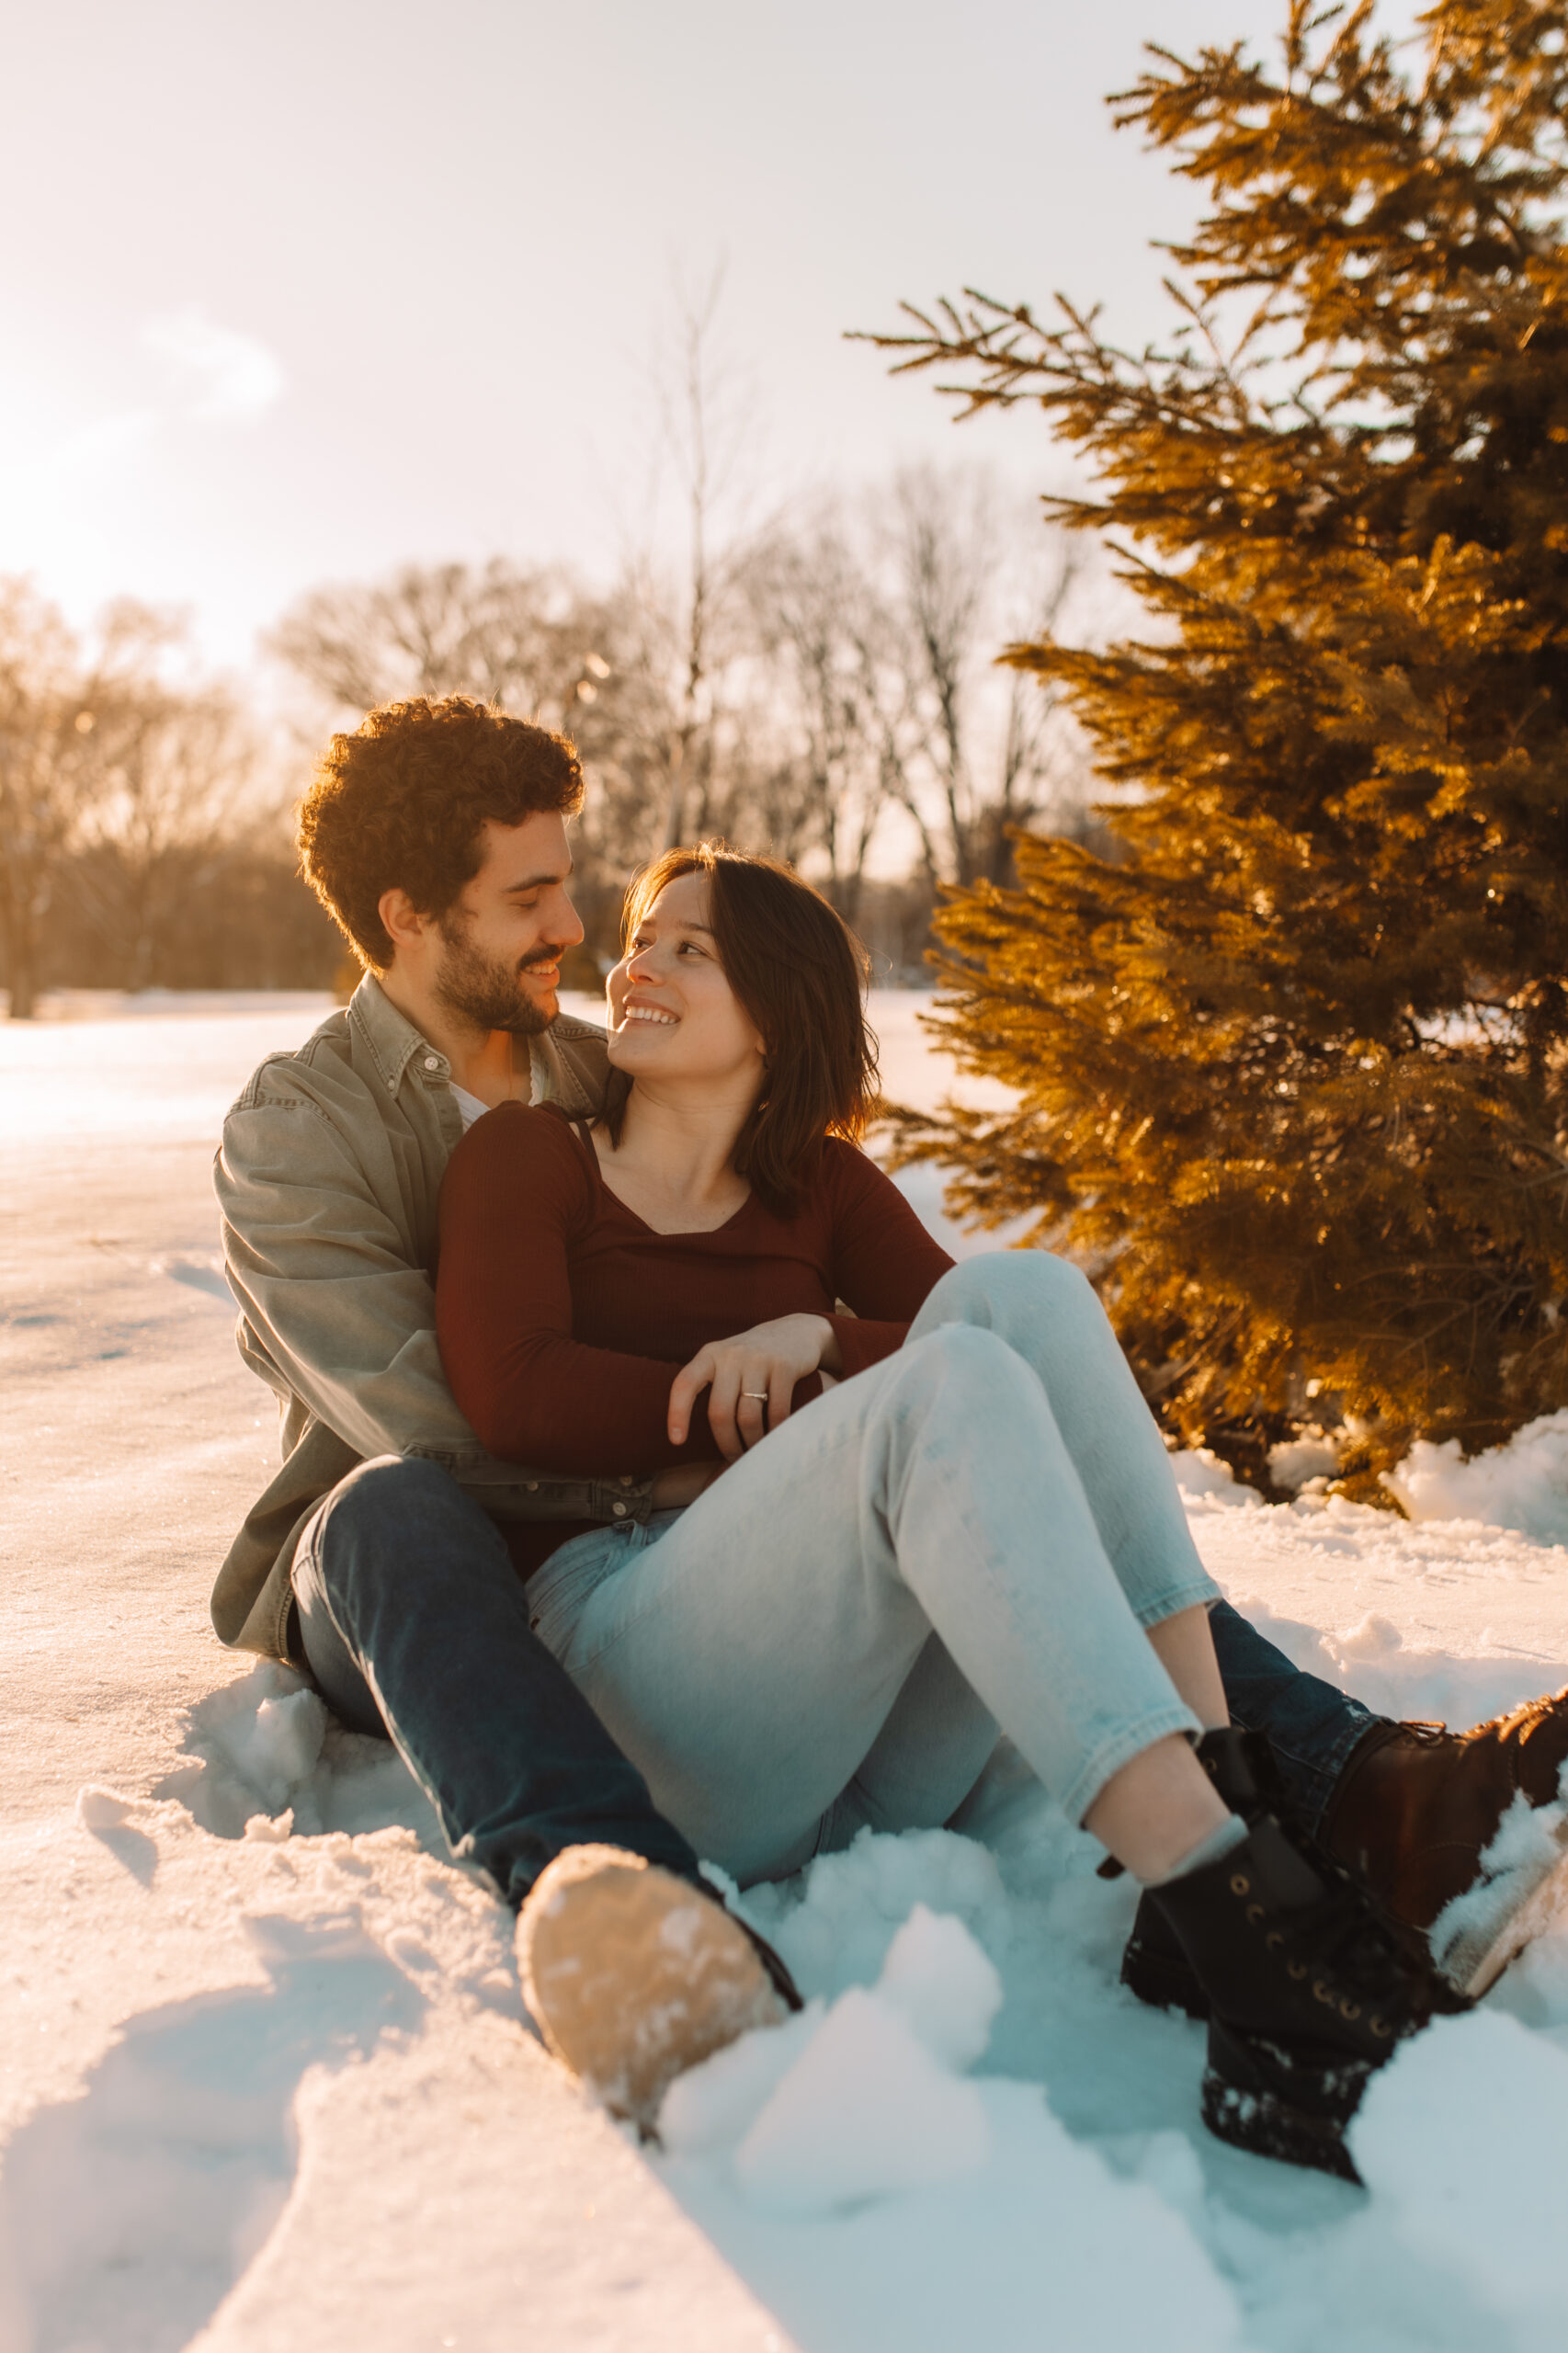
(800, 972)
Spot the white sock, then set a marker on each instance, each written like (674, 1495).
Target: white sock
(1208, 1850)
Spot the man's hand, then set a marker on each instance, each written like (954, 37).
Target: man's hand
(751, 1380)
(682, 1484)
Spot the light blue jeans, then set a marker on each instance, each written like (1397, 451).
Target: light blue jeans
(972, 1535)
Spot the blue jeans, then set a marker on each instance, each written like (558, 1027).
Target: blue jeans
(1311, 1726)
(414, 1625)
(976, 1533)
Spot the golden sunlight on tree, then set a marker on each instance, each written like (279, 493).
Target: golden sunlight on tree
(1292, 1072)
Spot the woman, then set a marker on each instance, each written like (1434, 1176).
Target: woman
(974, 1530)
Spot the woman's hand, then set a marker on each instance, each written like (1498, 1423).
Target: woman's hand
(767, 1361)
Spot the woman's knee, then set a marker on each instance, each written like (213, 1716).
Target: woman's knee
(964, 1362)
(996, 1282)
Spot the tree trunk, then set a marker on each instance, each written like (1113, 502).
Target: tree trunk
(24, 977)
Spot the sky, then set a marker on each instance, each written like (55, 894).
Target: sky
(296, 293)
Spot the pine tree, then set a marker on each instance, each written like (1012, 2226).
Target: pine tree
(1292, 1067)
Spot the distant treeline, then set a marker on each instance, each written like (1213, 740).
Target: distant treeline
(827, 689)
(235, 919)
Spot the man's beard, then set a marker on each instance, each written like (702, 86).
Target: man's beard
(482, 990)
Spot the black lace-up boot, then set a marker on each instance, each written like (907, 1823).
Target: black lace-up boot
(1307, 1993)
(1153, 1966)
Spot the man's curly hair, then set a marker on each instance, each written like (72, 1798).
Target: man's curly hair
(400, 804)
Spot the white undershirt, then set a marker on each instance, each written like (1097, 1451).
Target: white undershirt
(468, 1104)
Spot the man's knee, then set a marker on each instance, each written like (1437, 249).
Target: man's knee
(391, 1510)
(388, 1488)
(394, 1479)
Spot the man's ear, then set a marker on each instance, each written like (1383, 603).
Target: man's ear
(400, 919)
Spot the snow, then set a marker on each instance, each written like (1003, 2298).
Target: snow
(1483, 2080)
(1522, 1484)
(1296, 1460)
(265, 2080)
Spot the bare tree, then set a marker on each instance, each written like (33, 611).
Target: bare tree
(818, 621)
(882, 624)
(526, 640)
(63, 721)
(708, 449)
(988, 743)
(123, 787)
(173, 806)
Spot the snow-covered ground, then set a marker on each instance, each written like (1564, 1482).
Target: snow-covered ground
(263, 2078)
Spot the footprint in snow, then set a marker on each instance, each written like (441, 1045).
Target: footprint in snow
(128, 2214)
(198, 1274)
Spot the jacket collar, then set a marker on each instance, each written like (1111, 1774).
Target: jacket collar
(391, 1038)
(572, 1079)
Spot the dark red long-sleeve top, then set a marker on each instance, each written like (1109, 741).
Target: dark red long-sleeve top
(564, 1318)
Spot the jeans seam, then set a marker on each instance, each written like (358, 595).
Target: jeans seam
(1198, 1593)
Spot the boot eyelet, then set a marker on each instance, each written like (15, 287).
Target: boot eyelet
(1382, 2030)
(1274, 1941)
(1321, 1994)
(1241, 1884)
(1349, 2009)
(1296, 1969)
(1254, 1914)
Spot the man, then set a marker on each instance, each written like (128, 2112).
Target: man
(436, 835)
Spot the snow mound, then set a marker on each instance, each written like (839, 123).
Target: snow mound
(939, 1981)
(1311, 1454)
(835, 1928)
(1462, 2141)
(862, 2100)
(99, 1809)
(905, 2202)
(864, 2111)
(1522, 1484)
(267, 1760)
(1521, 1864)
(1206, 1481)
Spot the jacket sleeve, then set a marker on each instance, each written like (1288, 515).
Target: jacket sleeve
(503, 1310)
(884, 1262)
(336, 1315)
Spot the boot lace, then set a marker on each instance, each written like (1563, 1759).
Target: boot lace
(1342, 1939)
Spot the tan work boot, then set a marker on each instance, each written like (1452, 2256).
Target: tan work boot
(632, 1975)
(1416, 1810)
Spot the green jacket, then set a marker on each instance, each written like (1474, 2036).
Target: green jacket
(327, 1178)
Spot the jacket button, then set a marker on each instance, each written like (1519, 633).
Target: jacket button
(431, 1062)
(533, 1486)
(619, 1510)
